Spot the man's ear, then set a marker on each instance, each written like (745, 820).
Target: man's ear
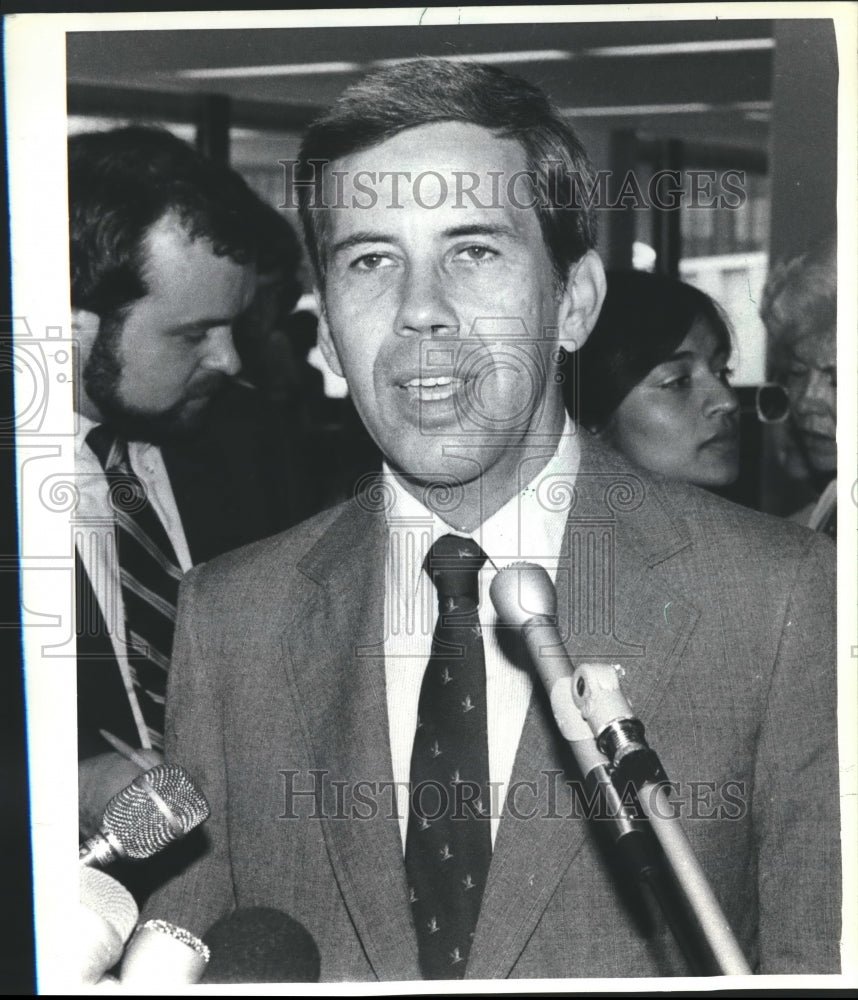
(326, 341)
(85, 326)
(605, 432)
(582, 301)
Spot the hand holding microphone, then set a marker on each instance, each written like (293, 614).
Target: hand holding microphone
(250, 945)
(158, 807)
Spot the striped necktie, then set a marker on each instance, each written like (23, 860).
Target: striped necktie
(149, 575)
(448, 844)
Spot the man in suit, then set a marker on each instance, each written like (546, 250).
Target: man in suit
(307, 668)
(163, 248)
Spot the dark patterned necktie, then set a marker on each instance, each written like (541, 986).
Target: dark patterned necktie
(448, 844)
(149, 574)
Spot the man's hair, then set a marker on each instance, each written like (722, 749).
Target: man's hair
(428, 91)
(278, 259)
(121, 183)
(644, 319)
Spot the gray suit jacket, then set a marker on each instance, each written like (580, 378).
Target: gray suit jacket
(724, 622)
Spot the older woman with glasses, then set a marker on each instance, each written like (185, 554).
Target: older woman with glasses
(799, 310)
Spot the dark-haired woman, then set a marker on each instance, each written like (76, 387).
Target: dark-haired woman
(654, 379)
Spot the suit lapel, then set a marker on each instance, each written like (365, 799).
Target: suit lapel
(342, 695)
(619, 531)
(642, 624)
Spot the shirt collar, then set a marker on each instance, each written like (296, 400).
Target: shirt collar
(529, 527)
(81, 448)
(84, 426)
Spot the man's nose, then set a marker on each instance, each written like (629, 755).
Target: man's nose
(424, 306)
(720, 398)
(220, 354)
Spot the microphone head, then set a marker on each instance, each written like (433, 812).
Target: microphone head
(523, 591)
(261, 945)
(157, 808)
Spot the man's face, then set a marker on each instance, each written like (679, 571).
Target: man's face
(810, 373)
(443, 314)
(152, 373)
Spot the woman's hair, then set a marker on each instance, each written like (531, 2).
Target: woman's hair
(800, 298)
(644, 319)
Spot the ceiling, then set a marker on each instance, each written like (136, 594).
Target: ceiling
(706, 81)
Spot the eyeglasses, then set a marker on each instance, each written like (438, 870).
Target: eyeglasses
(773, 405)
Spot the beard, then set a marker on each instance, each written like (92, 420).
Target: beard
(102, 378)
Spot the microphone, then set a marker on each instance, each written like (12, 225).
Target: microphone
(106, 918)
(158, 807)
(596, 720)
(525, 599)
(260, 945)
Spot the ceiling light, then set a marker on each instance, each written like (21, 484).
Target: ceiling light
(290, 69)
(682, 48)
(624, 110)
(637, 109)
(320, 68)
(494, 58)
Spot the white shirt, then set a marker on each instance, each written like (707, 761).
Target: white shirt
(95, 537)
(528, 527)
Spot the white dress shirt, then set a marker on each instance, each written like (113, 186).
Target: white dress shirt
(528, 527)
(95, 538)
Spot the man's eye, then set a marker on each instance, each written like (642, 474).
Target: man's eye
(725, 374)
(477, 253)
(370, 262)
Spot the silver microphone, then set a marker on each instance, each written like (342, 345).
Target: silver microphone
(158, 807)
(524, 598)
(609, 746)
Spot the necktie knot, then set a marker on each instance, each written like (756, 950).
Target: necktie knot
(453, 564)
(110, 450)
(126, 493)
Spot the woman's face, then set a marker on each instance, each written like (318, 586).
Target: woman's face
(682, 419)
(811, 382)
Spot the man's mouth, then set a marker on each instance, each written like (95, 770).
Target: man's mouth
(434, 388)
(205, 390)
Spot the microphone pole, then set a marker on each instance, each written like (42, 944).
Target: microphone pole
(620, 735)
(608, 745)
